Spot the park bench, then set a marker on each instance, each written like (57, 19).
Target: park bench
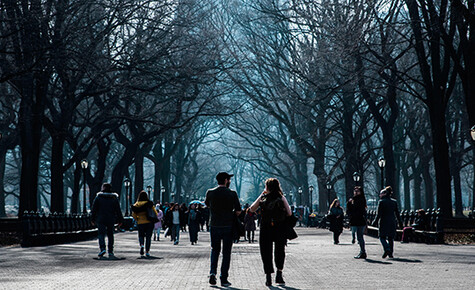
(437, 232)
(41, 229)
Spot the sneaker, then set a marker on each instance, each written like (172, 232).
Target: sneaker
(278, 278)
(111, 255)
(390, 254)
(175, 243)
(361, 256)
(353, 241)
(386, 253)
(225, 283)
(101, 253)
(147, 255)
(212, 279)
(141, 250)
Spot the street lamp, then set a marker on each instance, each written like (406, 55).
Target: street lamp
(162, 191)
(300, 194)
(310, 188)
(291, 194)
(127, 186)
(356, 177)
(329, 189)
(84, 165)
(381, 164)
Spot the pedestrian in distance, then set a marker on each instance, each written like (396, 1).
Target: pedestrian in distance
(144, 224)
(387, 214)
(335, 216)
(274, 210)
(172, 219)
(224, 206)
(105, 213)
(250, 225)
(356, 209)
(194, 217)
(158, 225)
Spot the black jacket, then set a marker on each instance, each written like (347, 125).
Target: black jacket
(388, 212)
(106, 208)
(357, 211)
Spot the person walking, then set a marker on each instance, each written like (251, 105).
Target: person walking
(144, 224)
(335, 215)
(194, 218)
(172, 219)
(250, 225)
(105, 212)
(158, 225)
(274, 210)
(224, 207)
(387, 214)
(356, 209)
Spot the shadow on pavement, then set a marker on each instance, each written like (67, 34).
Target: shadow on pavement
(149, 258)
(406, 260)
(377, 262)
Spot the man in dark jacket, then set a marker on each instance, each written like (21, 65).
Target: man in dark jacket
(105, 213)
(388, 212)
(224, 205)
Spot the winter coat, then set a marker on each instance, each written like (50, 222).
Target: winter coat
(106, 208)
(357, 211)
(335, 216)
(160, 218)
(387, 214)
(139, 211)
(249, 221)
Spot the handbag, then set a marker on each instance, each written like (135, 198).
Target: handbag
(237, 228)
(290, 222)
(151, 215)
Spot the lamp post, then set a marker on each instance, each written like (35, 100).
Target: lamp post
(310, 188)
(382, 164)
(300, 194)
(162, 193)
(356, 177)
(329, 189)
(84, 165)
(127, 186)
(291, 194)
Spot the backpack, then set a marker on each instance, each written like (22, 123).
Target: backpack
(273, 210)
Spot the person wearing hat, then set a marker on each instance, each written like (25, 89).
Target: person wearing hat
(223, 204)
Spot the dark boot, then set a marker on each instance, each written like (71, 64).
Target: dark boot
(361, 256)
(268, 280)
(278, 278)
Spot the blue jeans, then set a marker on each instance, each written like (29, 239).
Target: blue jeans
(388, 243)
(219, 234)
(103, 230)
(359, 237)
(175, 232)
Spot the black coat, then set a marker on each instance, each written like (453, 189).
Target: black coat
(106, 208)
(388, 212)
(357, 211)
(335, 216)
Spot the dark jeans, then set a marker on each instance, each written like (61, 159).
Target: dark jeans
(336, 237)
(145, 233)
(225, 235)
(360, 237)
(249, 234)
(193, 228)
(103, 230)
(175, 232)
(388, 243)
(272, 238)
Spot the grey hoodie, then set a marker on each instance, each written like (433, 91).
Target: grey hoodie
(106, 208)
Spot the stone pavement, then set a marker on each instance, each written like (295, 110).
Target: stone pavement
(312, 262)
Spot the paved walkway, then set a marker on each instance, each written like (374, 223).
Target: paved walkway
(312, 262)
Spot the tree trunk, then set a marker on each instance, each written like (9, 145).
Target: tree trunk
(428, 184)
(407, 187)
(121, 167)
(76, 189)
(417, 186)
(2, 180)
(457, 192)
(138, 174)
(95, 183)
(57, 181)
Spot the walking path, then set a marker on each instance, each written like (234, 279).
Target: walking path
(312, 262)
